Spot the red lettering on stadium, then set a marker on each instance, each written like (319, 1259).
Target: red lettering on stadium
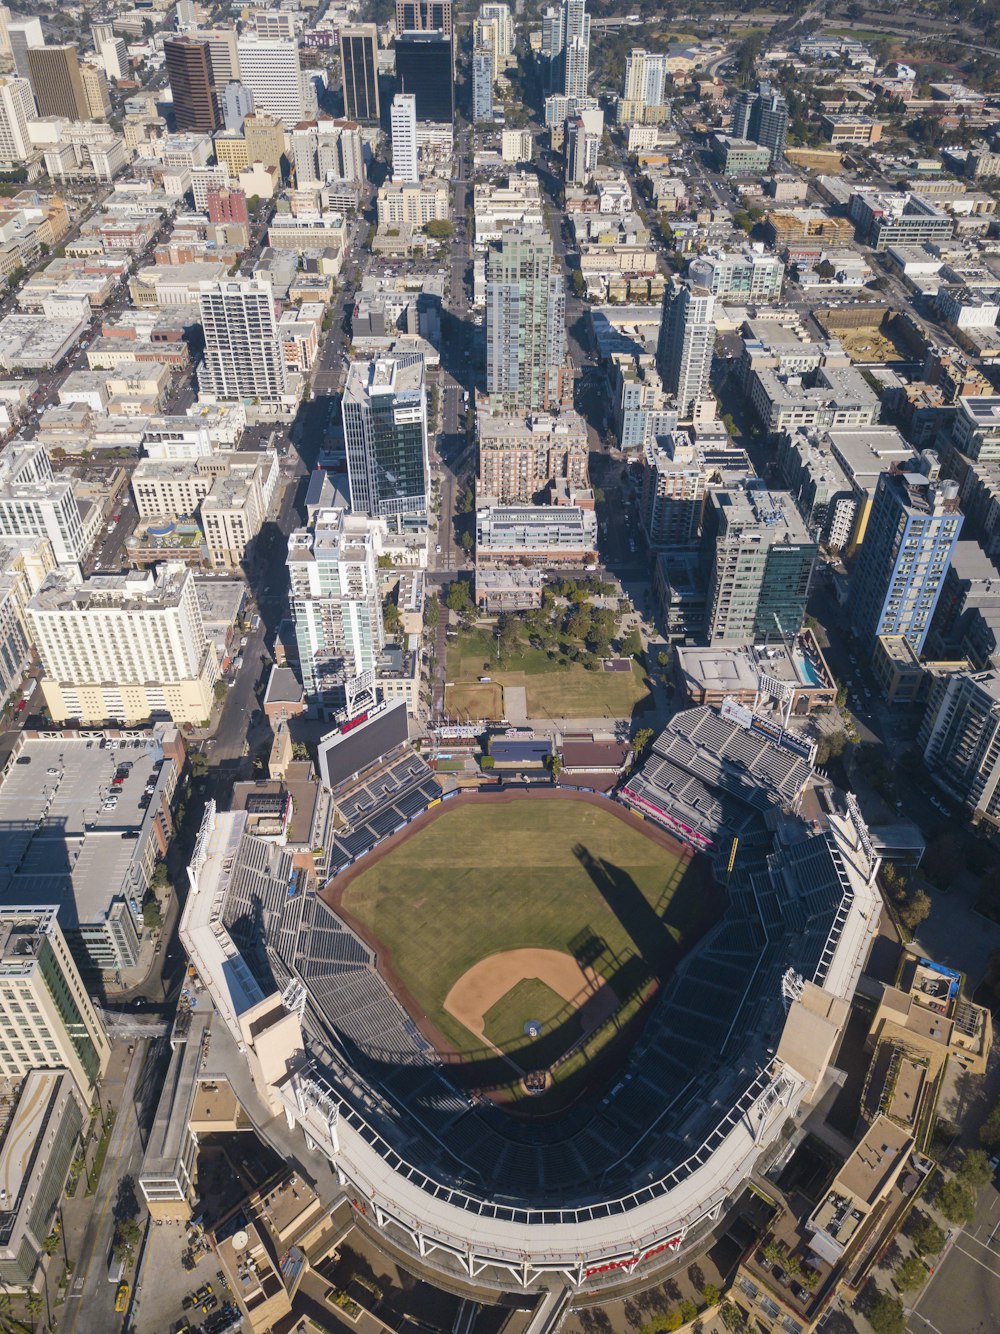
(633, 1260)
(354, 722)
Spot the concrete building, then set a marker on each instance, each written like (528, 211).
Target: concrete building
(273, 74)
(686, 343)
(583, 143)
(740, 157)
(24, 34)
(385, 430)
(482, 83)
(34, 503)
(640, 408)
(546, 534)
(751, 276)
(236, 103)
(516, 145)
(123, 647)
(95, 90)
(54, 72)
(642, 94)
(758, 559)
(840, 128)
(243, 357)
(425, 68)
(38, 1147)
(405, 156)
(522, 455)
(336, 603)
(960, 741)
(359, 62)
(525, 323)
(419, 15)
(897, 579)
(415, 204)
(47, 1019)
(976, 428)
(17, 108)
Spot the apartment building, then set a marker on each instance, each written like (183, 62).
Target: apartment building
(521, 455)
(960, 741)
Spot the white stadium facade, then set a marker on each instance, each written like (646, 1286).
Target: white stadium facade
(736, 1049)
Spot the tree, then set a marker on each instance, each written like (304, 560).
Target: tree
(925, 1234)
(885, 1314)
(440, 228)
(688, 1311)
(391, 618)
(220, 690)
(300, 751)
(578, 623)
(989, 1131)
(710, 1294)
(554, 764)
(912, 1273)
(915, 910)
(956, 1201)
(578, 282)
(160, 878)
(151, 914)
(975, 1170)
(641, 740)
(457, 598)
(51, 1243)
(432, 612)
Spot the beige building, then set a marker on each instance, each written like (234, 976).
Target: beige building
(125, 647)
(232, 152)
(413, 204)
(928, 1014)
(47, 1019)
(520, 455)
(265, 138)
(95, 89)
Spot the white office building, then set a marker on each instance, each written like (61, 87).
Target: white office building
(34, 503)
(17, 108)
(405, 156)
(336, 602)
(123, 646)
(243, 352)
(273, 74)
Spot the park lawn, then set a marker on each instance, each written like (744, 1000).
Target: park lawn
(483, 879)
(553, 689)
(532, 999)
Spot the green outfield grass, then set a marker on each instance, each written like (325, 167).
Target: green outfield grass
(545, 873)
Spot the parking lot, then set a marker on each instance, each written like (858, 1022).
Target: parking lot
(166, 1283)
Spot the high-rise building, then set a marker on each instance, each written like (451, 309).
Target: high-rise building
(123, 646)
(758, 558)
(110, 51)
(265, 139)
(273, 74)
(424, 15)
(243, 356)
(525, 322)
(359, 62)
(47, 1019)
(500, 16)
(336, 603)
(482, 83)
(328, 150)
(385, 430)
(55, 76)
(576, 48)
(424, 68)
(221, 43)
(583, 143)
(686, 343)
(900, 570)
(762, 117)
(34, 503)
(551, 49)
(645, 79)
(95, 89)
(192, 83)
(959, 738)
(17, 107)
(237, 104)
(23, 34)
(403, 116)
(5, 18)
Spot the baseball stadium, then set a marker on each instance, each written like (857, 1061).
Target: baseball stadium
(545, 1038)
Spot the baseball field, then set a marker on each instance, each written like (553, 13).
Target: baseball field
(527, 928)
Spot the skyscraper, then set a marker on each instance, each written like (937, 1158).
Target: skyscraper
(583, 142)
(762, 117)
(960, 740)
(95, 89)
(424, 68)
(645, 79)
(900, 570)
(17, 107)
(403, 116)
(686, 343)
(23, 34)
(273, 74)
(55, 76)
(576, 48)
(385, 429)
(243, 356)
(336, 603)
(758, 559)
(525, 322)
(421, 15)
(237, 104)
(551, 50)
(359, 61)
(482, 83)
(192, 83)
(500, 15)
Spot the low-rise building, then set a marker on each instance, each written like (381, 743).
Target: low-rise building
(562, 534)
(841, 128)
(740, 157)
